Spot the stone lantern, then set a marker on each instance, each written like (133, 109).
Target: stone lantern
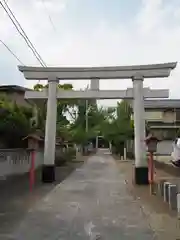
(33, 141)
(151, 143)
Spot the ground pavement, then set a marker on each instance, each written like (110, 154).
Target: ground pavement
(92, 203)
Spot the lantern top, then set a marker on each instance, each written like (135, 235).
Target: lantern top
(151, 138)
(34, 137)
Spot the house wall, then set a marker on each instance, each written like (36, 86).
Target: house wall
(177, 114)
(164, 133)
(164, 148)
(166, 124)
(163, 116)
(153, 115)
(169, 116)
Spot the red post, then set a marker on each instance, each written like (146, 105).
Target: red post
(32, 171)
(152, 167)
(151, 172)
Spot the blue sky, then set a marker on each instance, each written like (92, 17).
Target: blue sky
(94, 33)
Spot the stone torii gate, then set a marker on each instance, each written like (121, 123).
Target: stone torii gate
(138, 93)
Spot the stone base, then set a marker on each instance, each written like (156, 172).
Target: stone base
(48, 173)
(141, 176)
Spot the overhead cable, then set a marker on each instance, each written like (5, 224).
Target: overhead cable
(49, 16)
(18, 27)
(17, 58)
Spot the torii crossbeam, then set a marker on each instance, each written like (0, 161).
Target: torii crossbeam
(96, 94)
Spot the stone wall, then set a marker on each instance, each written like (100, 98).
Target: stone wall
(18, 161)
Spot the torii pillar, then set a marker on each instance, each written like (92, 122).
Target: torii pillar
(94, 86)
(48, 169)
(141, 165)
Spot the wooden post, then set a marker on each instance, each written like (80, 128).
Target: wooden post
(33, 145)
(151, 171)
(32, 170)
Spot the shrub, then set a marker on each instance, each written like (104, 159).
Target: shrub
(66, 156)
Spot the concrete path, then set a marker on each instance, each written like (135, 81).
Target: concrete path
(92, 203)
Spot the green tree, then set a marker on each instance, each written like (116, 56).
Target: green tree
(14, 122)
(114, 124)
(118, 128)
(64, 108)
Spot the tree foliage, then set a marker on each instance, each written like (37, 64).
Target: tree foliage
(63, 108)
(114, 124)
(118, 126)
(77, 120)
(14, 122)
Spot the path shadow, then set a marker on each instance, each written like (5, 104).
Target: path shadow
(16, 198)
(150, 201)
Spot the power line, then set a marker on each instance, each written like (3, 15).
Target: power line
(25, 37)
(12, 52)
(23, 34)
(49, 16)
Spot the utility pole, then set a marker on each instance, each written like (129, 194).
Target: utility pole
(87, 110)
(86, 116)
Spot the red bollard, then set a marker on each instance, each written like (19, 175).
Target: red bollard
(32, 171)
(151, 168)
(151, 171)
(151, 142)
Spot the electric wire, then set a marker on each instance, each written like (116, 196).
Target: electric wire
(17, 58)
(23, 34)
(49, 16)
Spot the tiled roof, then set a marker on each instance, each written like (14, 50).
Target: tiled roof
(13, 88)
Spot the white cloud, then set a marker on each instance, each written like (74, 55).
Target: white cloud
(153, 36)
(151, 15)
